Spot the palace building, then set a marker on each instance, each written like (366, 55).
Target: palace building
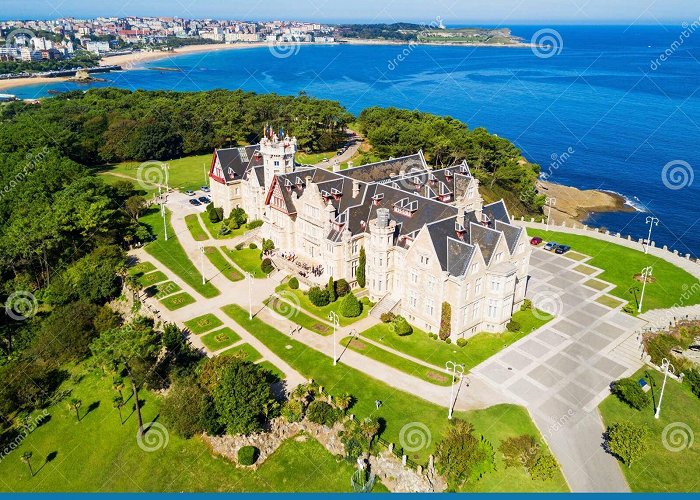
(427, 235)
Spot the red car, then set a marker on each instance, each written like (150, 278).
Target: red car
(535, 241)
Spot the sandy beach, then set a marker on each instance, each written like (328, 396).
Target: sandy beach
(573, 204)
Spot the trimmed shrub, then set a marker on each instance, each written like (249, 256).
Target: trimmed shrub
(350, 307)
(630, 392)
(266, 266)
(693, 378)
(254, 224)
(252, 246)
(513, 326)
(292, 410)
(239, 246)
(387, 317)
(248, 455)
(330, 288)
(360, 273)
(445, 321)
(448, 340)
(320, 412)
(319, 297)
(461, 342)
(544, 468)
(293, 283)
(214, 216)
(401, 327)
(342, 288)
(526, 305)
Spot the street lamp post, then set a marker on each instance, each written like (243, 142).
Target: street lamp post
(666, 365)
(333, 318)
(201, 262)
(165, 223)
(550, 202)
(249, 278)
(646, 272)
(652, 221)
(455, 369)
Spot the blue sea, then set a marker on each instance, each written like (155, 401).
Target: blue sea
(604, 110)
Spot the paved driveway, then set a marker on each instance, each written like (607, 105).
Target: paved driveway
(563, 371)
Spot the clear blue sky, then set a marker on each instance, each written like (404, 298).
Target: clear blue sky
(452, 11)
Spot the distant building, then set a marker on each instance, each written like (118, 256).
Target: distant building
(28, 55)
(97, 47)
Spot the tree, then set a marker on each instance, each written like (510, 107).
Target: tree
(185, 408)
(361, 265)
(242, 397)
(629, 391)
(127, 346)
(118, 403)
(343, 402)
(330, 288)
(318, 297)
(520, 451)
(461, 455)
(401, 327)
(445, 321)
(370, 428)
(266, 265)
(27, 459)
(628, 441)
(320, 412)
(342, 288)
(350, 307)
(134, 206)
(293, 283)
(67, 332)
(74, 405)
(545, 467)
(118, 385)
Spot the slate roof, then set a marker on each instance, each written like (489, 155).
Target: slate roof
(383, 170)
(236, 161)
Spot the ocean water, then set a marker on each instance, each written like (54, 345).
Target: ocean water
(604, 111)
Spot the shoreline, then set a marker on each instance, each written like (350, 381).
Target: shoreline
(365, 41)
(574, 204)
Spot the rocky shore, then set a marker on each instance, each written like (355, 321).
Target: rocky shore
(573, 204)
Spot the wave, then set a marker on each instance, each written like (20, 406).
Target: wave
(633, 202)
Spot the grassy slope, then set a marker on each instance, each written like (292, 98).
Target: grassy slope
(215, 227)
(171, 254)
(399, 409)
(662, 470)
(186, 173)
(247, 259)
(299, 297)
(195, 228)
(621, 264)
(98, 454)
(222, 264)
(294, 314)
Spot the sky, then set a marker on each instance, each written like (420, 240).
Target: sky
(451, 11)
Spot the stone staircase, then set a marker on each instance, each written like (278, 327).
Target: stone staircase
(663, 318)
(630, 353)
(387, 304)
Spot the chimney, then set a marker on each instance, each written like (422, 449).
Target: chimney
(336, 165)
(402, 172)
(355, 188)
(308, 180)
(460, 216)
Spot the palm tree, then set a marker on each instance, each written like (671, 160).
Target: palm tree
(369, 428)
(27, 459)
(118, 385)
(118, 402)
(74, 405)
(343, 402)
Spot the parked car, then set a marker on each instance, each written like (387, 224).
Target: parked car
(535, 241)
(205, 189)
(195, 202)
(551, 245)
(205, 200)
(189, 193)
(562, 249)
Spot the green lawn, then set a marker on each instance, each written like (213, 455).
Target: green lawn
(192, 221)
(222, 264)
(177, 301)
(299, 297)
(276, 372)
(171, 254)
(215, 227)
(399, 409)
(100, 455)
(245, 351)
(186, 173)
(663, 470)
(620, 265)
(292, 313)
(203, 324)
(162, 290)
(412, 368)
(314, 158)
(152, 278)
(247, 259)
(142, 268)
(218, 339)
(479, 348)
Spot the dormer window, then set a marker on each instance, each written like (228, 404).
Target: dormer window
(326, 195)
(299, 182)
(406, 207)
(288, 185)
(460, 230)
(448, 174)
(377, 199)
(464, 169)
(336, 194)
(432, 179)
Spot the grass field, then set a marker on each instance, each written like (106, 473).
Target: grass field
(203, 324)
(152, 278)
(313, 158)
(299, 297)
(675, 468)
(171, 254)
(479, 348)
(218, 339)
(434, 376)
(142, 268)
(399, 409)
(245, 351)
(222, 264)
(621, 264)
(247, 259)
(162, 290)
(294, 314)
(215, 227)
(100, 455)
(195, 228)
(186, 173)
(177, 301)
(276, 372)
